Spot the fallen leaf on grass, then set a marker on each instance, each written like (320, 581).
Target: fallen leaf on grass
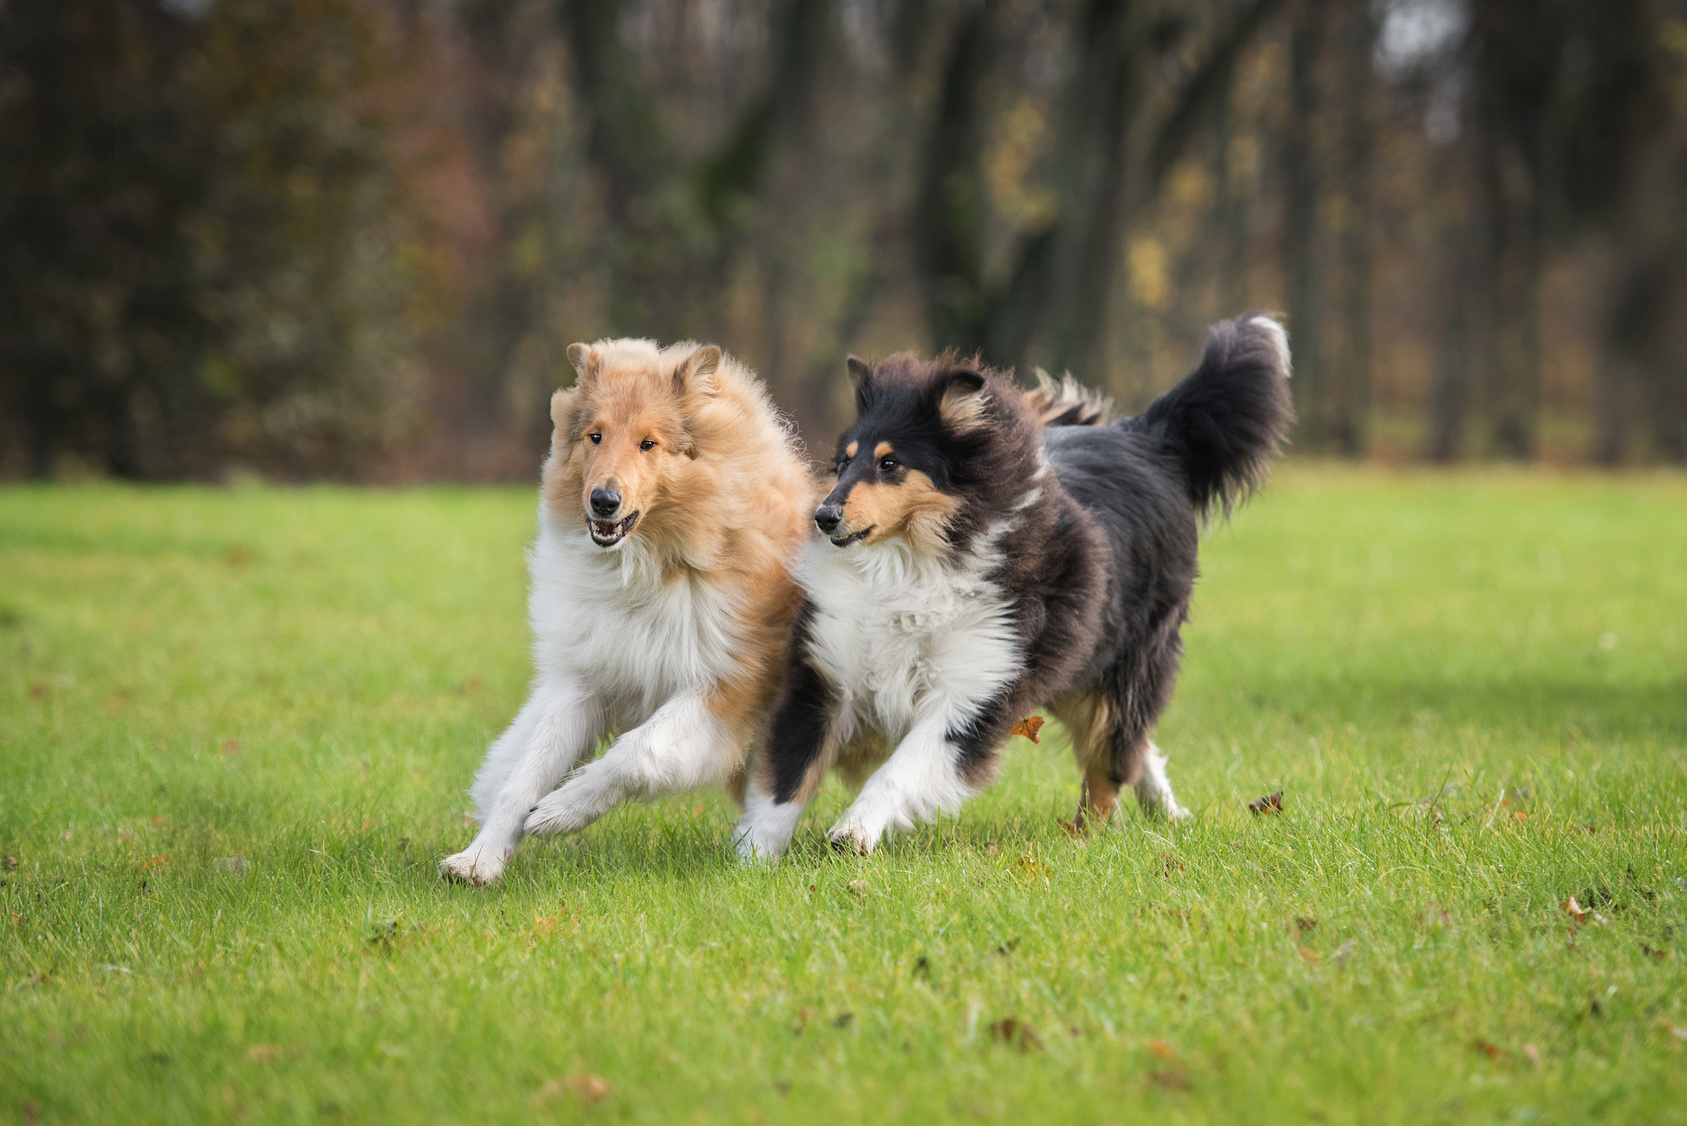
(263, 1053)
(1028, 727)
(858, 887)
(8, 863)
(1016, 1034)
(586, 1087)
(1270, 803)
(1171, 1079)
(153, 862)
(1575, 910)
(1652, 952)
(1309, 954)
(1491, 1050)
(1165, 1051)
(1305, 924)
(231, 748)
(843, 1019)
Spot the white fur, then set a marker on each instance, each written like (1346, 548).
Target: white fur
(1154, 790)
(615, 649)
(1279, 340)
(915, 646)
(765, 830)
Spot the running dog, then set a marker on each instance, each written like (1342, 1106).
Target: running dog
(674, 503)
(988, 551)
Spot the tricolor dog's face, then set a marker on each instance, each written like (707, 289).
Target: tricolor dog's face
(897, 467)
(620, 447)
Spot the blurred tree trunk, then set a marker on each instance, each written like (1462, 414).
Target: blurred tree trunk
(1350, 359)
(1518, 49)
(1450, 392)
(675, 223)
(1234, 220)
(1056, 294)
(1302, 246)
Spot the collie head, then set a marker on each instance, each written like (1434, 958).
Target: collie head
(669, 447)
(940, 448)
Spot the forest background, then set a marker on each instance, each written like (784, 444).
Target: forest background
(351, 239)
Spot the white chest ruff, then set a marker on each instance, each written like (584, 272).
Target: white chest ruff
(906, 639)
(609, 618)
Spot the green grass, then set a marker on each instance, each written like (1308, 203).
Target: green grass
(1471, 689)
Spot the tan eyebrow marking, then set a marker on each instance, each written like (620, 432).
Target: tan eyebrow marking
(849, 450)
(882, 450)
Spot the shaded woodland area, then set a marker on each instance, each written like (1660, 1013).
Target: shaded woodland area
(352, 238)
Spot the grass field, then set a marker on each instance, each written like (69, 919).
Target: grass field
(236, 727)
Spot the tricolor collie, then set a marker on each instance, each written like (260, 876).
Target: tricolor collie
(986, 552)
(673, 505)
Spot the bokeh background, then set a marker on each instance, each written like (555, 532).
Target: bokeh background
(351, 239)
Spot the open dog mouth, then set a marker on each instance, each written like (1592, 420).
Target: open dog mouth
(853, 537)
(606, 533)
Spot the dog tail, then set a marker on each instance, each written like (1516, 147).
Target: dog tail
(1063, 402)
(1230, 417)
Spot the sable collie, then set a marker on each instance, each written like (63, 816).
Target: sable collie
(673, 504)
(988, 551)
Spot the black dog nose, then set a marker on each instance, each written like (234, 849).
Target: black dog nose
(605, 502)
(827, 518)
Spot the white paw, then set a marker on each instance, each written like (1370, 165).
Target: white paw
(558, 812)
(753, 848)
(477, 864)
(847, 836)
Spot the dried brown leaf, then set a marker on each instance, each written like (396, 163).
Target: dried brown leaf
(1016, 1034)
(1270, 803)
(1028, 727)
(1165, 1051)
(585, 1087)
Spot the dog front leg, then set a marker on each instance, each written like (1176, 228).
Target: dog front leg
(801, 744)
(559, 721)
(920, 780)
(683, 745)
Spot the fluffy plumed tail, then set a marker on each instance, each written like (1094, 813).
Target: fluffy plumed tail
(1228, 419)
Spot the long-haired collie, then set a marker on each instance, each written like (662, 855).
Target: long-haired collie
(986, 552)
(673, 505)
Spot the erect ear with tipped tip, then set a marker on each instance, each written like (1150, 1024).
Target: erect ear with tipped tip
(860, 377)
(585, 360)
(962, 404)
(696, 372)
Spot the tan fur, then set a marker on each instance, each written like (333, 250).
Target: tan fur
(962, 408)
(724, 497)
(913, 508)
(1089, 718)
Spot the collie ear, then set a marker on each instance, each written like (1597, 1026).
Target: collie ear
(962, 404)
(562, 413)
(585, 360)
(696, 373)
(860, 377)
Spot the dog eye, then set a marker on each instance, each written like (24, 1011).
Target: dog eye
(596, 438)
(887, 465)
(647, 444)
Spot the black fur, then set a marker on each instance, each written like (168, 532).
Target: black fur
(1099, 569)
